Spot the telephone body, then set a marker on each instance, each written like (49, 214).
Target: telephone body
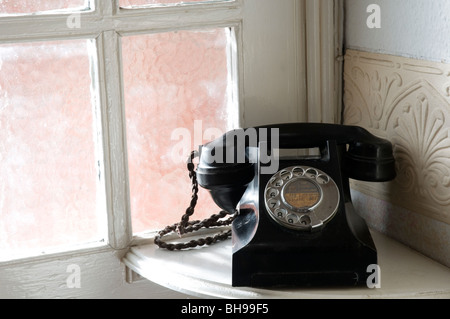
(296, 226)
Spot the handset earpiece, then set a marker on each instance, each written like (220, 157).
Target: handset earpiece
(369, 158)
(225, 169)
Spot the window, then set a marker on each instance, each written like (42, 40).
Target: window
(22, 7)
(175, 83)
(95, 71)
(60, 135)
(50, 191)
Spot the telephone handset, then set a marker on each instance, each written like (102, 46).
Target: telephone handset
(294, 222)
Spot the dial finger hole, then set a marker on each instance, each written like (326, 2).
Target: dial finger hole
(277, 182)
(280, 213)
(305, 220)
(323, 179)
(272, 193)
(273, 203)
(311, 173)
(286, 175)
(298, 171)
(292, 219)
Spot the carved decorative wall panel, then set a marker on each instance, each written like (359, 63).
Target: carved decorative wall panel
(408, 102)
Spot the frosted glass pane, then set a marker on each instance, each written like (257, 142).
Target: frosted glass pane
(32, 6)
(130, 3)
(48, 184)
(173, 82)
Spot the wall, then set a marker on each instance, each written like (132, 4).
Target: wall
(397, 85)
(412, 28)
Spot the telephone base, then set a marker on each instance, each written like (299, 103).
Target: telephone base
(307, 279)
(269, 269)
(336, 256)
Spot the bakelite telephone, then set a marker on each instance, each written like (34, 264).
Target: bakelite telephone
(293, 225)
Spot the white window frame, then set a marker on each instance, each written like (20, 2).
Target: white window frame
(310, 91)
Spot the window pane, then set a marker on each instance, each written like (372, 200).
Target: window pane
(32, 6)
(130, 3)
(173, 82)
(48, 168)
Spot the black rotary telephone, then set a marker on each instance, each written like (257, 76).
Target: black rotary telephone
(293, 222)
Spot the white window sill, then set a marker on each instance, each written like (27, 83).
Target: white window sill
(206, 273)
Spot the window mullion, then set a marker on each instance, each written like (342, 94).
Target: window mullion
(49, 27)
(106, 8)
(142, 21)
(114, 140)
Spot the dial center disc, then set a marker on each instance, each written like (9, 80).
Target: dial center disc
(301, 194)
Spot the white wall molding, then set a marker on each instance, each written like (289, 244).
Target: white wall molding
(324, 40)
(408, 102)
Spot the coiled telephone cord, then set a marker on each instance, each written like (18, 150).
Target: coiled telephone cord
(186, 226)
